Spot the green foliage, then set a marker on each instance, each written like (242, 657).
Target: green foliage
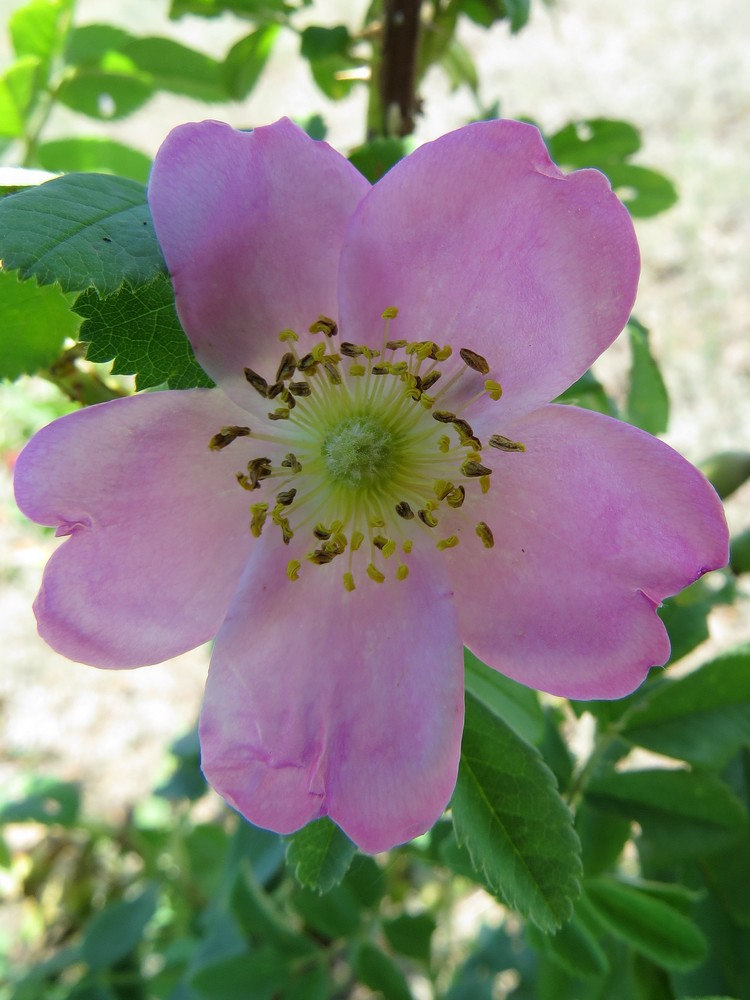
(137, 328)
(327, 50)
(94, 155)
(36, 321)
(246, 59)
(727, 471)
(507, 812)
(647, 404)
(320, 855)
(80, 230)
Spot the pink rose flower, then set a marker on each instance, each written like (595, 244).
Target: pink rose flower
(378, 477)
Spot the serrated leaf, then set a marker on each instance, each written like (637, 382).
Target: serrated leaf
(319, 854)
(81, 230)
(117, 930)
(682, 813)
(375, 969)
(246, 60)
(138, 328)
(94, 155)
(703, 718)
(507, 811)
(649, 925)
(104, 96)
(334, 915)
(647, 403)
(514, 703)
(36, 321)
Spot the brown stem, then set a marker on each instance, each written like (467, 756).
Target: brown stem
(398, 74)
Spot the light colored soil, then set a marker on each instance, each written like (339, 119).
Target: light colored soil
(677, 70)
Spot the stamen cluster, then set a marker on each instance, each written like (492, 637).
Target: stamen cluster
(363, 455)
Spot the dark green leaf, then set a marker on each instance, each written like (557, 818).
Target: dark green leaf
(80, 230)
(319, 855)
(647, 404)
(44, 800)
(255, 10)
(739, 553)
(554, 747)
(260, 919)
(514, 703)
(312, 985)
(603, 836)
(117, 930)
(703, 718)
(645, 192)
(650, 926)
(104, 96)
(263, 970)
(682, 813)
(139, 329)
(96, 155)
(518, 830)
(487, 12)
(87, 45)
(17, 88)
(375, 158)
(314, 125)
(262, 849)
(333, 915)
(375, 969)
(575, 948)
(366, 880)
(727, 471)
(36, 321)
(327, 51)
(589, 393)
(246, 60)
(411, 934)
(594, 142)
(459, 66)
(176, 68)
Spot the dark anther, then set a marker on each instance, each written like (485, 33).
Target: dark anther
(427, 517)
(394, 345)
(286, 497)
(474, 360)
(444, 416)
(275, 390)
(505, 444)
(287, 367)
(326, 325)
(307, 363)
(456, 497)
(474, 469)
(280, 413)
(350, 350)
(333, 373)
(226, 435)
(290, 461)
(404, 510)
(380, 369)
(429, 380)
(257, 382)
(300, 388)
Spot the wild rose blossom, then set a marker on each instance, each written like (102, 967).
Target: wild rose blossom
(378, 477)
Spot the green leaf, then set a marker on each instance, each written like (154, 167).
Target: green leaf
(246, 60)
(575, 948)
(703, 718)
(593, 142)
(648, 403)
(38, 28)
(43, 800)
(36, 321)
(739, 552)
(87, 45)
(230, 978)
(312, 985)
(18, 86)
(459, 66)
(375, 158)
(411, 934)
(645, 192)
(514, 703)
(508, 813)
(589, 393)
(104, 96)
(375, 969)
(80, 230)
(176, 68)
(254, 10)
(603, 836)
(650, 926)
(726, 471)
(327, 51)
(94, 155)
(682, 813)
(260, 919)
(118, 929)
(487, 12)
(139, 329)
(320, 855)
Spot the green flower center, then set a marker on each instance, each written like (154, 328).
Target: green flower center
(359, 451)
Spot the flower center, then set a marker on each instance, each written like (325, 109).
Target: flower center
(359, 451)
(361, 455)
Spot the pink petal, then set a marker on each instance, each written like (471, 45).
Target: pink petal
(251, 225)
(481, 242)
(158, 525)
(323, 702)
(594, 525)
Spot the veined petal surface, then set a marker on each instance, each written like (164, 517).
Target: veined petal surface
(251, 226)
(481, 242)
(593, 525)
(323, 702)
(158, 526)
